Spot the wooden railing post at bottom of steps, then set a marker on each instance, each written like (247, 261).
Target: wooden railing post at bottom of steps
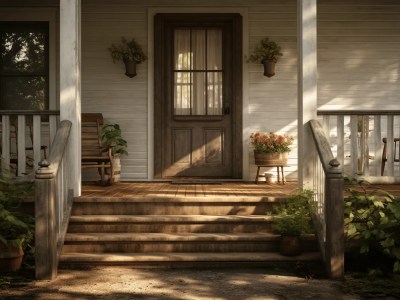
(45, 223)
(334, 220)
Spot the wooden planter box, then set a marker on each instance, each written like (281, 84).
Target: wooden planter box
(271, 159)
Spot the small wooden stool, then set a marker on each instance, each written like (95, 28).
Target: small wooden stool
(277, 170)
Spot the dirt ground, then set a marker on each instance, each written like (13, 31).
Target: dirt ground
(127, 283)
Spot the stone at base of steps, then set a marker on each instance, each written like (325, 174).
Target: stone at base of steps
(177, 260)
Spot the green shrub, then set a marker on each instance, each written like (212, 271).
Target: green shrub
(372, 222)
(293, 217)
(16, 227)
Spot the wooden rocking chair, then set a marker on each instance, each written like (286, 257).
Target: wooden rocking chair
(396, 152)
(93, 154)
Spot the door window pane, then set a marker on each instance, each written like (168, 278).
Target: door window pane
(198, 71)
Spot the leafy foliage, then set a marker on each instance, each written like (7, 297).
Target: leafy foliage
(266, 50)
(16, 227)
(127, 51)
(372, 222)
(293, 217)
(111, 137)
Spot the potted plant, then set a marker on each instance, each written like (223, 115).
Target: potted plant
(111, 137)
(268, 53)
(16, 227)
(271, 148)
(130, 52)
(293, 218)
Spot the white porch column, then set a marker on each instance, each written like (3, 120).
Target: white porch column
(70, 85)
(307, 86)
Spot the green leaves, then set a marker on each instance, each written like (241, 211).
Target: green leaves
(265, 50)
(127, 51)
(372, 217)
(294, 216)
(16, 227)
(111, 137)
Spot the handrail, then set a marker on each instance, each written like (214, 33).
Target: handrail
(331, 217)
(53, 202)
(329, 163)
(30, 112)
(358, 112)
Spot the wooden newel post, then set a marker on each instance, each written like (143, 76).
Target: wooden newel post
(45, 223)
(334, 218)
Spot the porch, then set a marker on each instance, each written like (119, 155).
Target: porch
(284, 104)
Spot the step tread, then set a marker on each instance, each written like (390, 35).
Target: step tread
(174, 199)
(172, 237)
(166, 237)
(186, 257)
(169, 219)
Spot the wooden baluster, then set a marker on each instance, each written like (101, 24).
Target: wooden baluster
(378, 145)
(354, 145)
(340, 139)
(5, 142)
(21, 142)
(52, 128)
(390, 146)
(36, 141)
(325, 126)
(364, 146)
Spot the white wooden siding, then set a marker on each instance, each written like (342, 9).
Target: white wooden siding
(358, 64)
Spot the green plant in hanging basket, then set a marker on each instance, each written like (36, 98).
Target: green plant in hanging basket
(265, 50)
(127, 51)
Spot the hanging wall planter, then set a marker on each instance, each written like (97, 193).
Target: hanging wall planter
(269, 68)
(130, 68)
(266, 52)
(130, 53)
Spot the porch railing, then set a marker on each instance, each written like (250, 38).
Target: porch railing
(53, 202)
(357, 139)
(329, 188)
(25, 138)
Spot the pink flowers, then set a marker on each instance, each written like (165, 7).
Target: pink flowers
(271, 142)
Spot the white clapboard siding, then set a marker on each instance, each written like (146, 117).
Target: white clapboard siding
(358, 65)
(361, 73)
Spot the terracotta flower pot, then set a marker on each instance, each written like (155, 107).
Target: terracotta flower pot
(10, 258)
(290, 245)
(266, 159)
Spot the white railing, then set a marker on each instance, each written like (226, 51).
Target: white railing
(25, 138)
(53, 203)
(357, 140)
(329, 194)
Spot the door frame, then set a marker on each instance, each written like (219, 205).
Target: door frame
(235, 19)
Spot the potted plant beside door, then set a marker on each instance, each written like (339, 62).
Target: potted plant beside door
(130, 52)
(271, 148)
(268, 53)
(111, 136)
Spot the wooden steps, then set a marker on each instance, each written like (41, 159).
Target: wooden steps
(175, 231)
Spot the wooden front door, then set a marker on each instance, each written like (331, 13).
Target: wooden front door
(198, 115)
